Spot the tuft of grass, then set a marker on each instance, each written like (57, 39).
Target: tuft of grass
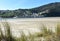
(8, 34)
(31, 37)
(45, 33)
(23, 36)
(57, 32)
(1, 35)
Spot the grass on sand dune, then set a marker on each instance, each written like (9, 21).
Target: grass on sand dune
(44, 35)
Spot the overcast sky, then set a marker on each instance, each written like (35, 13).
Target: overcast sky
(16, 4)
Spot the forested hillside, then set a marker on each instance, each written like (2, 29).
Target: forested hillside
(48, 10)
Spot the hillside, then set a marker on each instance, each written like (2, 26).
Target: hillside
(48, 10)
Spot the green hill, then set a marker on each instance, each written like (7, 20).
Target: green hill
(48, 10)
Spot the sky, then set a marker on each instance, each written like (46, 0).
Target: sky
(23, 4)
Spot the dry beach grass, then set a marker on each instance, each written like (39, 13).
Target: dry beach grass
(30, 30)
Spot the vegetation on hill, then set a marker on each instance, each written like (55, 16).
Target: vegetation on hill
(48, 10)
